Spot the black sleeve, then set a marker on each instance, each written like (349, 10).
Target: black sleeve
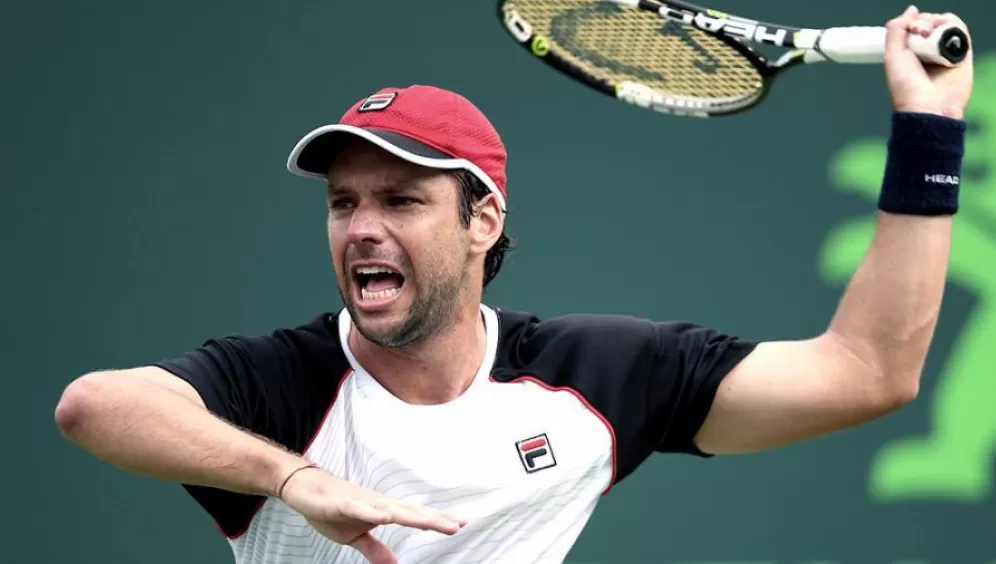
(690, 362)
(252, 382)
(277, 386)
(653, 382)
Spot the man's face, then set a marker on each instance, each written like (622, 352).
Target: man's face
(399, 249)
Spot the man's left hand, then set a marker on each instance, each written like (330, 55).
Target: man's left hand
(919, 87)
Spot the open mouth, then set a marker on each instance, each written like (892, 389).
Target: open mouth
(378, 283)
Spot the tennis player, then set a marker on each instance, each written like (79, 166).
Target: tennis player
(418, 424)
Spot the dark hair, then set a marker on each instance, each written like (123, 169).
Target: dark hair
(472, 191)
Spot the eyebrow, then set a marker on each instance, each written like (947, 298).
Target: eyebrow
(331, 189)
(393, 188)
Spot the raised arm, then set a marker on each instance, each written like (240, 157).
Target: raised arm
(869, 360)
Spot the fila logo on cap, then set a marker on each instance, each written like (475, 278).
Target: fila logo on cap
(536, 453)
(377, 102)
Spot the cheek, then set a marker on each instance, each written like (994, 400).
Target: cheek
(424, 254)
(336, 231)
(443, 254)
(337, 247)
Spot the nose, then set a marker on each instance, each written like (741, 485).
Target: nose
(366, 225)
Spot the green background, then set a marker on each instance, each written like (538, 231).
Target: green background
(145, 206)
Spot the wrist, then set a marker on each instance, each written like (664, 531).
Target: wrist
(923, 166)
(282, 487)
(952, 112)
(278, 469)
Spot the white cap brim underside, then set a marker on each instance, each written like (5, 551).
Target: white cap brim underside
(448, 164)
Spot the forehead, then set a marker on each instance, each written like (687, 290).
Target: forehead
(361, 164)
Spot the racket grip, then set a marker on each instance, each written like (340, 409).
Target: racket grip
(947, 45)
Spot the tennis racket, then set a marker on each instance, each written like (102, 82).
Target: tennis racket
(682, 59)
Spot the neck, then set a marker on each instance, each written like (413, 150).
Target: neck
(434, 371)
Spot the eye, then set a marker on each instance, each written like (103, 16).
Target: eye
(340, 203)
(401, 201)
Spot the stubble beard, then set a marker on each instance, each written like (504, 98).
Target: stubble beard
(433, 310)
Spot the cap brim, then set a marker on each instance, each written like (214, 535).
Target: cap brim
(314, 153)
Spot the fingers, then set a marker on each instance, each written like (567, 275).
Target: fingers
(911, 22)
(438, 513)
(360, 511)
(450, 517)
(388, 511)
(374, 550)
(422, 517)
(897, 30)
(923, 23)
(427, 522)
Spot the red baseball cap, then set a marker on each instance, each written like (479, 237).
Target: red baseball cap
(425, 125)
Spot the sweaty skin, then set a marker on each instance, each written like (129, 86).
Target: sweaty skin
(954, 459)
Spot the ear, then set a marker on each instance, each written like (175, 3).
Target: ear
(486, 225)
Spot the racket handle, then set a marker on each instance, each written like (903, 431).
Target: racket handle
(947, 45)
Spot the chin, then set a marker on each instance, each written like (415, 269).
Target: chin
(385, 328)
(390, 336)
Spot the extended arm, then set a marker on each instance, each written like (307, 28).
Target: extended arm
(869, 360)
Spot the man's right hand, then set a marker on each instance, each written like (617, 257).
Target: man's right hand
(346, 513)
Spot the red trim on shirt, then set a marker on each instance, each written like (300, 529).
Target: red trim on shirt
(311, 441)
(591, 408)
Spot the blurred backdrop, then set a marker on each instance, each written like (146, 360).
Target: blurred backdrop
(145, 207)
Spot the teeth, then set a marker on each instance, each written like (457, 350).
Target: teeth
(375, 270)
(370, 296)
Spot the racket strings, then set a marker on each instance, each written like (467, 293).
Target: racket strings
(620, 44)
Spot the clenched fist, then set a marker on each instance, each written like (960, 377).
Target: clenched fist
(916, 87)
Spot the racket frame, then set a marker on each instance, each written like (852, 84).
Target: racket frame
(802, 47)
(645, 97)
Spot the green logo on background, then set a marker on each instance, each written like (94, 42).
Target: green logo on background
(954, 461)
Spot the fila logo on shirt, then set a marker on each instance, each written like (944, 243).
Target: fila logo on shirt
(377, 102)
(536, 453)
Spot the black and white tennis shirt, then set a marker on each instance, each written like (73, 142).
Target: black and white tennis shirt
(560, 411)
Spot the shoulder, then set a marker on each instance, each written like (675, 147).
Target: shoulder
(570, 345)
(526, 335)
(319, 334)
(243, 376)
(520, 325)
(610, 349)
(314, 342)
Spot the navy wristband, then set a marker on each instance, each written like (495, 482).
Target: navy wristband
(923, 167)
